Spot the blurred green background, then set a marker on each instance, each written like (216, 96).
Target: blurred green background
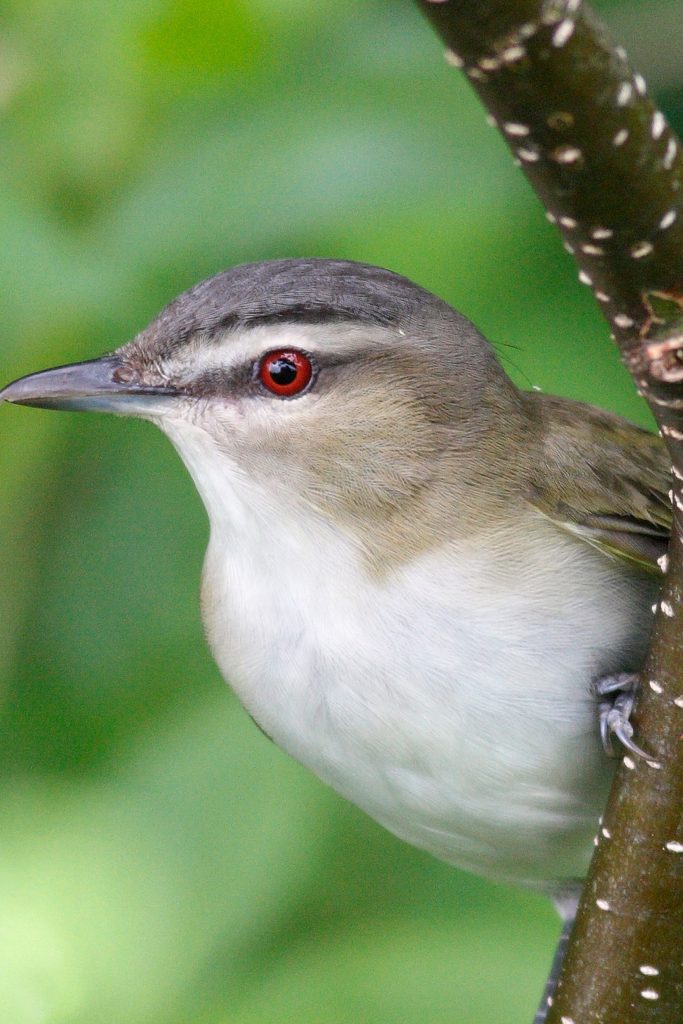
(160, 861)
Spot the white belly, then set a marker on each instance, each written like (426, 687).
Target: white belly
(450, 700)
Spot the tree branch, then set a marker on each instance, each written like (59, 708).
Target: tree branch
(608, 169)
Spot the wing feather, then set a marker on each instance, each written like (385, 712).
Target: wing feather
(603, 479)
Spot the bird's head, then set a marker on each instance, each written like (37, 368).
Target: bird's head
(337, 385)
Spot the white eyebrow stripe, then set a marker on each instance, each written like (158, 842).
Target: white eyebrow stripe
(204, 355)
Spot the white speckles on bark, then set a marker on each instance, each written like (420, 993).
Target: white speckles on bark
(567, 155)
(658, 124)
(453, 59)
(670, 154)
(641, 249)
(515, 128)
(563, 32)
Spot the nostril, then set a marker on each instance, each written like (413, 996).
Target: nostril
(124, 375)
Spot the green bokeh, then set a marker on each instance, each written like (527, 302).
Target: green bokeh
(160, 861)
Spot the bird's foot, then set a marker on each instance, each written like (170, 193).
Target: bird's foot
(617, 696)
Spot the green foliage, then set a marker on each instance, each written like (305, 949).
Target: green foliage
(161, 861)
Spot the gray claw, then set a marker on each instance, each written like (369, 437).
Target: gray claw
(620, 682)
(615, 713)
(605, 733)
(627, 742)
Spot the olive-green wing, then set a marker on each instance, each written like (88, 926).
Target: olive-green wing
(603, 479)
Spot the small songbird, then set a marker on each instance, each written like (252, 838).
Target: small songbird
(421, 581)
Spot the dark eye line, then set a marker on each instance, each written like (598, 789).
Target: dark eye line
(244, 379)
(217, 382)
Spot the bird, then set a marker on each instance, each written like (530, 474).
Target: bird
(432, 588)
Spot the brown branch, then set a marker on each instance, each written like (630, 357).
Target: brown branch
(608, 169)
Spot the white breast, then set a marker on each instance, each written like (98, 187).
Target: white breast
(451, 700)
(457, 712)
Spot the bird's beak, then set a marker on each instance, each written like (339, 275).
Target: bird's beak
(97, 385)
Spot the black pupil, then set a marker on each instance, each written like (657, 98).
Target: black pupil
(283, 371)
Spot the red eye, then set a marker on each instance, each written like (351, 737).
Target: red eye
(285, 372)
